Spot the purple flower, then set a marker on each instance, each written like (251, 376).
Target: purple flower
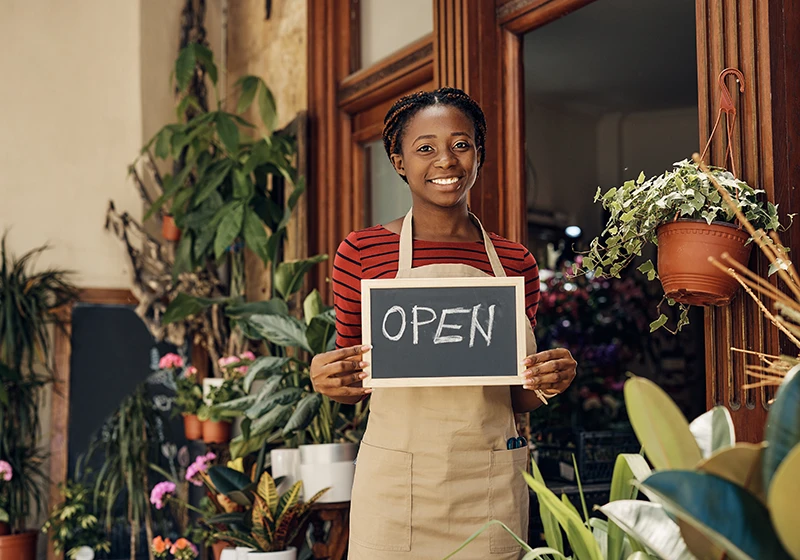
(160, 492)
(6, 472)
(200, 465)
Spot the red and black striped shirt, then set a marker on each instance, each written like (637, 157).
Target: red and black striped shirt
(373, 253)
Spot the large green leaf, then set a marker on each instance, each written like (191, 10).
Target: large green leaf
(782, 499)
(183, 255)
(228, 132)
(660, 426)
(322, 332)
(740, 464)
(242, 185)
(275, 417)
(628, 467)
(266, 106)
(286, 396)
(229, 229)
(184, 306)
(206, 58)
(236, 405)
(242, 447)
(304, 414)
(313, 305)
(227, 480)
(580, 537)
(728, 515)
(266, 307)
(249, 87)
(290, 274)
(713, 430)
(266, 365)
(236, 518)
(783, 425)
(649, 524)
(283, 330)
(213, 178)
(255, 236)
(185, 65)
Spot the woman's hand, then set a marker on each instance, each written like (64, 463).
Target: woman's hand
(337, 374)
(550, 371)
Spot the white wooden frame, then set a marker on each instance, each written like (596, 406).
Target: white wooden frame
(517, 282)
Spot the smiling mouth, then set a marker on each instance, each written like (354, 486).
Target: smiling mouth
(447, 181)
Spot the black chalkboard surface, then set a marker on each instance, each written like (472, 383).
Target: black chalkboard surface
(443, 331)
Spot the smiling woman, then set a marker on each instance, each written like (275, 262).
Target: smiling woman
(451, 441)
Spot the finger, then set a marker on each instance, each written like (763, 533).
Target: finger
(545, 356)
(550, 367)
(348, 380)
(345, 391)
(343, 353)
(548, 380)
(345, 367)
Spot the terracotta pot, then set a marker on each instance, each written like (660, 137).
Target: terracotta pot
(218, 547)
(169, 230)
(192, 426)
(4, 528)
(683, 251)
(216, 432)
(19, 547)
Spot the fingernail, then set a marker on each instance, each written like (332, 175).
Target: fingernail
(527, 373)
(363, 364)
(366, 348)
(526, 362)
(362, 376)
(367, 391)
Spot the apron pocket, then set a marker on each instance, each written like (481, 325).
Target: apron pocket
(508, 498)
(380, 508)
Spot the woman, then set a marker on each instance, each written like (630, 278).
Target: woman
(434, 464)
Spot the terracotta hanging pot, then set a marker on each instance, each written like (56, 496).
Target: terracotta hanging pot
(21, 546)
(169, 230)
(192, 427)
(216, 432)
(684, 247)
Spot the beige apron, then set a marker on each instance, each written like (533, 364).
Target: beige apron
(433, 466)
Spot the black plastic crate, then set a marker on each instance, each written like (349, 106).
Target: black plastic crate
(595, 454)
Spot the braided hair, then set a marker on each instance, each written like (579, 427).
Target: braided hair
(405, 108)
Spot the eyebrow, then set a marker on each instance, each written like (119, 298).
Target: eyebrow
(425, 136)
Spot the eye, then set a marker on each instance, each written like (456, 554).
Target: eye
(425, 148)
(462, 145)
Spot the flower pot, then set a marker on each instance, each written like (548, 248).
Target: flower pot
(242, 552)
(684, 247)
(288, 554)
(169, 230)
(21, 546)
(192, 426)
(216, 432)
(286, 463)
(328, 465)
(221, 546)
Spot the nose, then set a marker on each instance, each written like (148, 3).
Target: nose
(446, 160)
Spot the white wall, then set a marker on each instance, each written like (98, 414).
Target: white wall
(71, 116)
(389, 25)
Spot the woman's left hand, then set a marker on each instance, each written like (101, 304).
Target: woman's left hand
(550, 371)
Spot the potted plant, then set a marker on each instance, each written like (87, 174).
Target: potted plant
(683, 214)
(181, 549)
(217, 421)
(73, 527)
(29, 306)
(188, 393)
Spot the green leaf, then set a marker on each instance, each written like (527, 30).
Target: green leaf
(207, 185)
(660, 426)
(321, 332)
(280, 330)
(627, 468)
(304, 414)
(184, 306)
(267, 307)
(266, 365)
(649, 524)
(287, 396)
(236, 405)
(242, 185)
(782, 501)
(782, 432)
(229, 229)
(206, 58)
(658, 323)
(289, 275)
(227, 480)
(269, 387)
(713, 430)
(228, 132)
(185, 66)
(162, 144)
(183, 255)
(728, 515)
(266, 106)
(249, 87)
(531, 554)
(241, 447)
(236, 518)
(313, 305)
(275, 417)
(255, 236)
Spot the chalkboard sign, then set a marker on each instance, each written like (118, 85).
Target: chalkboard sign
(443, 331)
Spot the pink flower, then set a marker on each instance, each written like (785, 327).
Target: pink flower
(200, 465)
(228, 360)
(160, 492)
(170, 361)
(247, 356)
(6, 472)
(242, 369)
(191, 371)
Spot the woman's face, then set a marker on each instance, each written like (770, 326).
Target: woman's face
(439, 157)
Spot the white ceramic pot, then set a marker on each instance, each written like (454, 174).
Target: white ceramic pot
(285, 462)
(242, 552)
(228, 554)
(208, 384)
(328, 465)
(327, 453)
(288, 554)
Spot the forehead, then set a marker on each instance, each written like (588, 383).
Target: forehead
(439, 119)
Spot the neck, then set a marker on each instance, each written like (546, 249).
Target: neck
(433, 223)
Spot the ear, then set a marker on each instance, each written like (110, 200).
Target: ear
(397, 163)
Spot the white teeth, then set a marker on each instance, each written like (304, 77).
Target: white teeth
(448, 181)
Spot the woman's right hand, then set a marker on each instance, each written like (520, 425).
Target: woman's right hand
(338, 374)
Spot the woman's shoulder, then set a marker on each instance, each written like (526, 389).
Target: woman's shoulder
(364, 237)
(506, 245)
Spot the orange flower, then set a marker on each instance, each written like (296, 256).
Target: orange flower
(160, 545)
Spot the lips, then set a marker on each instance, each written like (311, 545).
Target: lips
(445, 181)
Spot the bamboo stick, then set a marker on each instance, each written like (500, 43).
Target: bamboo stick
(771, 289)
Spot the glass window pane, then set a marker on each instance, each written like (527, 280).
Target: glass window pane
(387, 193)
(387, 26)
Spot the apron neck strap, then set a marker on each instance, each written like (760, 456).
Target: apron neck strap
(405, 257)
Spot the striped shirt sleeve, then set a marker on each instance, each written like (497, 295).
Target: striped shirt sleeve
(346, 279)
(530, 270)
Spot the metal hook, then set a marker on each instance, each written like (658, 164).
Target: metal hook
(725, 99)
